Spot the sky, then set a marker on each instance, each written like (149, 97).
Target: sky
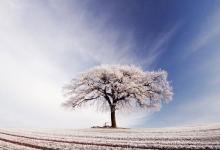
(44, 44)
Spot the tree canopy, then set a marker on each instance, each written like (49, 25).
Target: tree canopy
(114, 87)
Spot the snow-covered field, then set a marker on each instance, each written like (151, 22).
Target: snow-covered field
(191, 137)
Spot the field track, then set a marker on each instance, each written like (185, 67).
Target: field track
(191, 137)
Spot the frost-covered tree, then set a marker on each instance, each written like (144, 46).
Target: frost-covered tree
(114, 87)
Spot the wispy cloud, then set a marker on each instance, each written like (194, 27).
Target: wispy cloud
(208, 30)
(203, 53)
(155, 46)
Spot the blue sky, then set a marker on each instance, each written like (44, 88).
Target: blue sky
(43, 44)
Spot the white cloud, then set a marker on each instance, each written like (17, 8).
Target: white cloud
(155, 46)
(208, 31)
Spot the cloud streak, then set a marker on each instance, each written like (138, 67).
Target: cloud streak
(208, 31)
(156, 46)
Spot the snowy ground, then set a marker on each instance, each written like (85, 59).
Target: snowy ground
(191, 137)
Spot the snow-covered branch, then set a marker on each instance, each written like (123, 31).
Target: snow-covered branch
(119, 85)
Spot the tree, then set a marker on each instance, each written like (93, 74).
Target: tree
(114, 87)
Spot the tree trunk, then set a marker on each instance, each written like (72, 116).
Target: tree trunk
(113, 119)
